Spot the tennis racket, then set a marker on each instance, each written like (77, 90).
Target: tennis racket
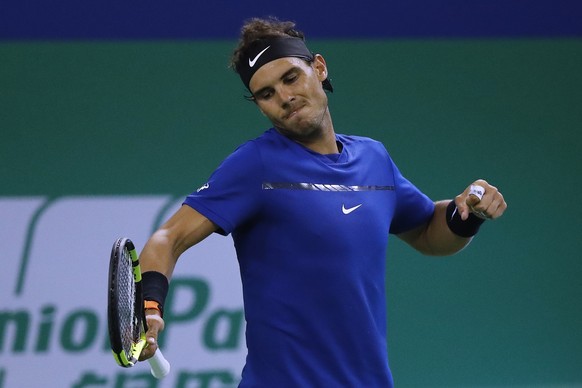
(125, 310)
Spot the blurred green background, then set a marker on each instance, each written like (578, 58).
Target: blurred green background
(98, 118)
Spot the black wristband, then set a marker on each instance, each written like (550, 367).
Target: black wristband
(467, 228)
(155, 287)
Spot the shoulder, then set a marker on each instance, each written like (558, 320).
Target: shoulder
(251, 148)
(251, 154)
(361, 145)
(268, 140)
(360, 141)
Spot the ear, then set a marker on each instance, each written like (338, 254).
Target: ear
(320, 67)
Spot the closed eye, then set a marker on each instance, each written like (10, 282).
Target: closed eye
(264, 94)
(289, 79)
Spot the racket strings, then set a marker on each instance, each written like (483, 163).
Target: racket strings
(128, 320)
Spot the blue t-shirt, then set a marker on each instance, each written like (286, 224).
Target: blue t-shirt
(311, 234)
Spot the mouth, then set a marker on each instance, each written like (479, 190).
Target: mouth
(292, 112)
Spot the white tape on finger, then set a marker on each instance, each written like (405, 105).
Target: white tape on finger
(477, 191)
(156, 318)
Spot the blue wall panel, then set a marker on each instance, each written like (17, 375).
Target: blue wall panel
(151, 19)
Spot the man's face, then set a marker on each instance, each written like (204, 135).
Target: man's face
(288, 91)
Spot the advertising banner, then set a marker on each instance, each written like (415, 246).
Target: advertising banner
(53, 318)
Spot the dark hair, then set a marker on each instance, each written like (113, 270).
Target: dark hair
(256, 28)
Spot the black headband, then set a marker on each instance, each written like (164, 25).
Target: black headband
(263, 51)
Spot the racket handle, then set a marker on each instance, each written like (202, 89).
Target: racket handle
(159, 365)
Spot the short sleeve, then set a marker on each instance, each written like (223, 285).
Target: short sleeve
(232, 194)
(412, 209)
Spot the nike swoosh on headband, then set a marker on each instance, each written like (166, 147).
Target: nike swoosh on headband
(254, 60)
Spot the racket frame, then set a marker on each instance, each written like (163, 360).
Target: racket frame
(121, 356)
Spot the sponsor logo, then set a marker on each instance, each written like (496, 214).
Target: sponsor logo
(62, 317)
(203, 187)
(349, 210)
(255, 59)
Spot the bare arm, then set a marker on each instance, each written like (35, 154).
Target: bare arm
(436, 239)
(184, 229)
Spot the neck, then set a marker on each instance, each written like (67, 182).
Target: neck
(322, 140)
(325, 145)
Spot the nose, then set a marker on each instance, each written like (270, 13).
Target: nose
(285, 96)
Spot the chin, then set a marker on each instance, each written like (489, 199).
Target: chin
(301, 133)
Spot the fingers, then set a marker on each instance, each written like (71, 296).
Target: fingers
(481, 199)
(155, 324)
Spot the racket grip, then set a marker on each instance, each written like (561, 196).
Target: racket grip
(160, 367)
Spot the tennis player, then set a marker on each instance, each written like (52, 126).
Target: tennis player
(310, 212)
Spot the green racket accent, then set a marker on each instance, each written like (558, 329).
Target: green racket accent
(121, 357)
(135, 263)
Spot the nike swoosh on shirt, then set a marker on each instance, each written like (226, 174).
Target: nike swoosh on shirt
(254, 60)
(349, 210)
(204, 187)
